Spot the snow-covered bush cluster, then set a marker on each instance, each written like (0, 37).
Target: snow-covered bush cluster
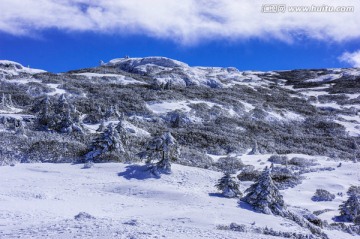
(278, 159)
(249, 174)
(229, 164)
(192, 157)
(301, 162)
(266, 231)
(322, 195)
(285, 177)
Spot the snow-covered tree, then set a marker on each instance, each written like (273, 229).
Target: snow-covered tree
(3, 101)
(125, 139)
(124, 136)
(61, 117)
(322, 195)
(264, 196)
(6, 102)
(255, 149)
(101, 126)
(164, 149)
(106, 143)
(44, 112)
(350, 209)
(20, 129)
(229, 187)
(62, 120)
(112, 113)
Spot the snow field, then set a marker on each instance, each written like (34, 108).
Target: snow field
(45, 198)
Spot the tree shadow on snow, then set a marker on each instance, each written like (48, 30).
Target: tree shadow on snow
(246, 206)
(139, 172)
(219, 195)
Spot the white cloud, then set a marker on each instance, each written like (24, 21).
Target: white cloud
(352, 59)
(186, 21)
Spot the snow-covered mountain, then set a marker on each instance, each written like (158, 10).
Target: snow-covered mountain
(225, 109)
(305, 122)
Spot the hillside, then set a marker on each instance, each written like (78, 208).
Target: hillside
(303, 124)
(209, 110)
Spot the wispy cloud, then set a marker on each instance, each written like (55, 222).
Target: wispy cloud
(186, 22)
(352, 58)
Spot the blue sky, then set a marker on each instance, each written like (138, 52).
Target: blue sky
(79, 33)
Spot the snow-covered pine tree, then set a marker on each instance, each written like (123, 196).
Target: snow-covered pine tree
(10, 102)
(255, 149)
(125, 139)
(124, 136)
(107, 142)
(20, 129)
(112, 113)
(264, 196)
(101, 126)
(61, 120)
(6, 102)
(65, 118)
(350, 209)
(3, 101)
(164, 149)
(44, 113)
(228, 185)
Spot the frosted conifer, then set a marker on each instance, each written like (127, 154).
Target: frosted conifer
(108, 141)
(350, 209)
(65, 118)
(44, 114)
(164, 149)
(229, 187)
(264, 196)
(255, 149)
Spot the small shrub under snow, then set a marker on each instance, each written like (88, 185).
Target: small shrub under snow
(322, 195)
(277, 159)
(249, 174)
(83, 216)
(229, 164)
(302, 162)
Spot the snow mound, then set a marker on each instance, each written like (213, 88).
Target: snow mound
(14, 68)
(116, 78)
(136, 62)
(168, 71)
(83, 216)
(10, 64)
(325, 78)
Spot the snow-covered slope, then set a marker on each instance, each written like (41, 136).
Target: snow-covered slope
(125, 203)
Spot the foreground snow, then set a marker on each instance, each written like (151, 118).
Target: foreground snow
(42, 200)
